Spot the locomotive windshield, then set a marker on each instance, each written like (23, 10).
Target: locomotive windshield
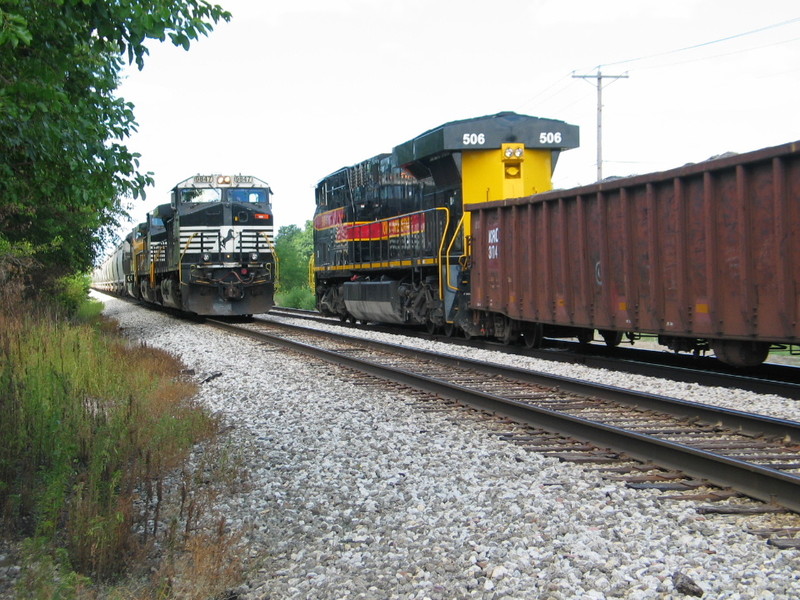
(243, 195)
(200, 194)
(247, 195)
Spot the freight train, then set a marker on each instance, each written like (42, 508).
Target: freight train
(209, 251)
(458, 230)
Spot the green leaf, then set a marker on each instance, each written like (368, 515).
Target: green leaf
(64, 173)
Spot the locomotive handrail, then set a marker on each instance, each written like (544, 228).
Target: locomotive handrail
(450, 286)
(441, 246)
(183, 253)
(276, 259)
(422, 253)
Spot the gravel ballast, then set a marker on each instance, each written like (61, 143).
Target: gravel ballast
(357, 492)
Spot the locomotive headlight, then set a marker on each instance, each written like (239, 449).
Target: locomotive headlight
(514, 153)
(254, 256)
(206, 257)
(224, 179)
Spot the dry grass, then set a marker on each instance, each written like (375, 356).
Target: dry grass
(95, 430)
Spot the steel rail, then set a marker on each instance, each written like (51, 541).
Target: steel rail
(736, 420)
(651, 363)
(756, 481)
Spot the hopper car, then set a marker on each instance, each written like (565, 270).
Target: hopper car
(705, 257)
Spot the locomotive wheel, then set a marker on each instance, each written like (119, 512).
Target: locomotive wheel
(740, 353)
(533, 335)
(510, 332)
(450, 330)
(431, 327)
(509, 336)
(611, 338)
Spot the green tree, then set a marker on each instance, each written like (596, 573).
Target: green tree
(64, 168)
(294, 247)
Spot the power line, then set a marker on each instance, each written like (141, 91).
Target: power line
(550, 90)
(702, 44)
(721, 54)
(599, 77)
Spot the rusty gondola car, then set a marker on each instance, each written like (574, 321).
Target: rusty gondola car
(706, 256)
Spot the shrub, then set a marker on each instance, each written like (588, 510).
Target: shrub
(298, 297)
(86, 419)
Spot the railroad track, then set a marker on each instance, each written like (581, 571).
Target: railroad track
(696, 445)
(781, 380)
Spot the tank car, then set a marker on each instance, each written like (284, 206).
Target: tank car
(391, 236)
(111, 276)
(209, 251)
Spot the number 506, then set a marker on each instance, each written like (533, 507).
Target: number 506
(550, 137)
(474, 139)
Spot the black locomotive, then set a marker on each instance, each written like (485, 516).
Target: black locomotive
(210, 251)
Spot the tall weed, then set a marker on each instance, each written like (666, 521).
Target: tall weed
(86, 421)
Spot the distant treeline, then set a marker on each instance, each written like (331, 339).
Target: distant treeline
(295, 247)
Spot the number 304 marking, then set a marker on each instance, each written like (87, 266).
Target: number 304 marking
(474, 139)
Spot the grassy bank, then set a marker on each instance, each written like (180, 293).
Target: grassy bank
(90, 428)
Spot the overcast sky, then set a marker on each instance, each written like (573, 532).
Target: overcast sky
(291, 91)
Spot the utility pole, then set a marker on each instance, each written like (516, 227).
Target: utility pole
(599, 76)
